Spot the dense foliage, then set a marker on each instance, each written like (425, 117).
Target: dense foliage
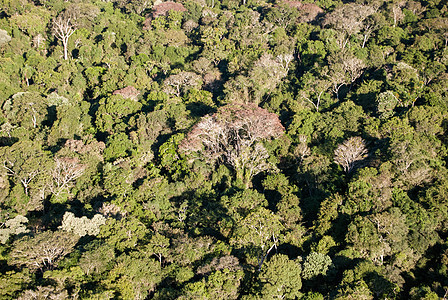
(223, 149)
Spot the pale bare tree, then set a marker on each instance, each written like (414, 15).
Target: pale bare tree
(182, 82)
(348, 19)
(4, 37)
(42, 251)
(234, 136)
(284, 60)
(63, 28)
(397, 12)
(350, 153)
(65, 173)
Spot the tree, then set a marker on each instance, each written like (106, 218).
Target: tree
(124, 233)
(11, 283)
(439, 26)
(344, 68)
(380, 235)
(234, 136)
(315, 89)
(348, 18)
(63, 28)
(281, 278)
(179, 84)
(406, 83)
(159, 246)
(267, 73)
(97, 259)
(82, 226)
(316, 264)
(43, 251)
(26, 109)
(134, 276)
(24, 161)
(65, 172)
(4, 37)
(13, 227)
(283, 15)
(350, 153)
(113, 111)
(260, 229)
(386, 103)
(370, 24)
(221, 285)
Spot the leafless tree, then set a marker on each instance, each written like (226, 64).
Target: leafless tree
(397, 11)
(233, 136)
(350, 153)
(284, 60)
(348, 19)
(65, 173)
(63, 28)
(4, 37)
(44, 250)
(180, 83)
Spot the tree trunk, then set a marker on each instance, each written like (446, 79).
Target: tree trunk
(65, 42)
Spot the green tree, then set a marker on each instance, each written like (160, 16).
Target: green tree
(315, 264)
(221, 284)
(113, 112)
(97, 259)
(134, 276)
(281, 278)
(26, 109)
(13, 226)
(12, 283)
(123, 234)
(261, 229)
(24, 161)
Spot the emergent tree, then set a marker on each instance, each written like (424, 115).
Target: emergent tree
(350, 153)
(63, 28)
(234, 136)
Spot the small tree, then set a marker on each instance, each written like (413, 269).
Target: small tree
(350, 153)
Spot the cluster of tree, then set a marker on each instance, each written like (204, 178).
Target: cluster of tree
(206, 149)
